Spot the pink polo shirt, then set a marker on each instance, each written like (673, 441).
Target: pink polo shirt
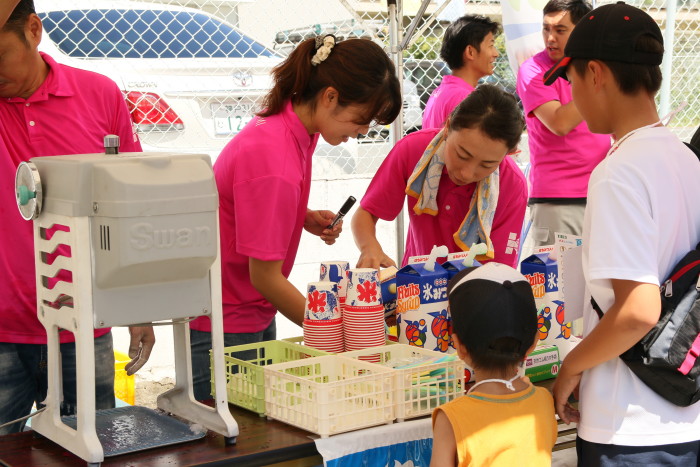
(264, 177)
(444, 99)
(385, 197)
(69, 113)
(560, 165)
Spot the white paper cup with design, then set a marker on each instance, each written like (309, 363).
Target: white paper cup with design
(363, 288)
(322, 301)
(336, 271)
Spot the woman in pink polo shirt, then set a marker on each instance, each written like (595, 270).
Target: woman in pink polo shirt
(462, 187)
(264, 175)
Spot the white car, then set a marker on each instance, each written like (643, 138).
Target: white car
(286, 41)
(191, 80)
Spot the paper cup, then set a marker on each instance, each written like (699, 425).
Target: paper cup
(324, 334)
(322, 301)
(363, 287)
(364, 327)
(336, 271)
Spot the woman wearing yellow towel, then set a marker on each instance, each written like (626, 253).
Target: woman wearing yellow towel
(461, 186)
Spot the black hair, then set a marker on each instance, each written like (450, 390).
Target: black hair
(503, 353)
(465, 31)
(577, 8)
(18, 18)
(631, 77)
(491, 110)
(358, 69)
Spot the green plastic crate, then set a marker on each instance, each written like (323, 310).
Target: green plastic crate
(245, 379)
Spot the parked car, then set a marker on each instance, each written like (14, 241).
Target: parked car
(502, 77)
(190, 80)
(285, 41)
(426, 75)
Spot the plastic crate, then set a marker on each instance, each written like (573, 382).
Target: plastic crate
(421, 386)
(329, 395)
(295, 340)
(244, 373)
(124, 385)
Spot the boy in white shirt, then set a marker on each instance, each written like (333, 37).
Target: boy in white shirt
(641, 218)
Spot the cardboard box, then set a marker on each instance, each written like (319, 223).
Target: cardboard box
(417, 259)
(543, 274)
(543, 363)
(552, 327)
(387, 282)
(454, 263)
(421, 307)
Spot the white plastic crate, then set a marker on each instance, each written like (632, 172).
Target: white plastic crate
(423, 379)
(329, 395)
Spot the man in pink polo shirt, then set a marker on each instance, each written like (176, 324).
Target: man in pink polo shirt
(468, 49)
(47, 109)
(563, 151)
(484, 127)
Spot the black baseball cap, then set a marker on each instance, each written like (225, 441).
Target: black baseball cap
(609, 33)
(490, 302)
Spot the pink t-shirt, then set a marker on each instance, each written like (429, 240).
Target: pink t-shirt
(70, 113)
(385, 197)
(264, 177)
(560, 165)
(444, 99)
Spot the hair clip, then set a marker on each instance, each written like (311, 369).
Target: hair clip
(324, 45)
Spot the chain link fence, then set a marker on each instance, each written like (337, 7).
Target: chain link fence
(194, 72)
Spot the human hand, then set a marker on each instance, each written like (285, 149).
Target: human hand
(374, 258)
(142, 340)
(565, 385)
(316, 223)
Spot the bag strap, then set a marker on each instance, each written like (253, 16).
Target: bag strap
(597, 308)
(692, 261)
(693, 148)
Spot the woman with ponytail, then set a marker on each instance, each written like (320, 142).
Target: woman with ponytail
(324, 88)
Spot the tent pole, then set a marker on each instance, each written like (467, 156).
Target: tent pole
(397, 126)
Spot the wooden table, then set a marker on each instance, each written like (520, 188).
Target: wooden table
(260, 442)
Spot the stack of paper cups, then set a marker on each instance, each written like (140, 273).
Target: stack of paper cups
(336, 271)
(323, 324)
(363, 316)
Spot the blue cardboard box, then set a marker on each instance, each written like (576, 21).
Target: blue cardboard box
(421, 307)
(454, 263)
(543, 274)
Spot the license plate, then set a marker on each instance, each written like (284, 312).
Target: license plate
(229, 119)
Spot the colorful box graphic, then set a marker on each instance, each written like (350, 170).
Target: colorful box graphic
(542, 363)
(421, 307)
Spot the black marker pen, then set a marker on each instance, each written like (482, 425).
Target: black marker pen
(343, 210)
